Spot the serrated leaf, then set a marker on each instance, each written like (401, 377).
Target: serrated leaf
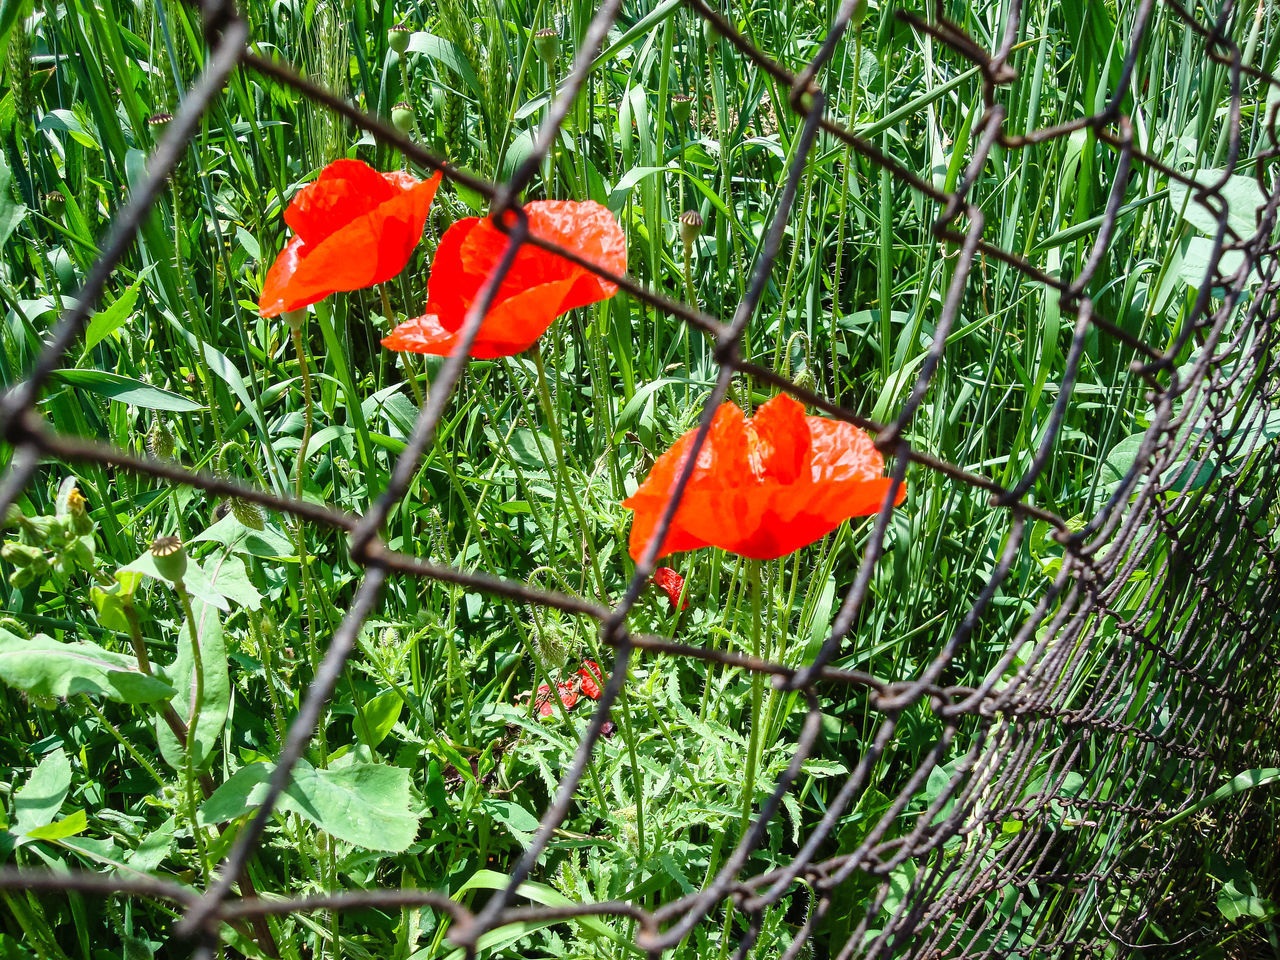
(49, 668)
(368, 805)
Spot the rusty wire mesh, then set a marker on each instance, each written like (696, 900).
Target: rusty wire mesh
(1202, 633)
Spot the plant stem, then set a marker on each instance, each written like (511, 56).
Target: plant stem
(757, 691)
(308, 417)
(585, 540)
(409, 373)
(193, 722)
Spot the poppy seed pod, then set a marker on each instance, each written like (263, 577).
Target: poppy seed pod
(690, 227)
(547, 42)
(170, 557)
(859, 14)
(398, 37)
(681, 104)
(54, 203)
(295, 318)
(158, 121)
(402, 117)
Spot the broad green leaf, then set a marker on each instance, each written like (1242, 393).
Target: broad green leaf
(46, 667)
(216, 699)
(380, 715)
(110, 601)
(269, 542)
(442, 51)
(111, 319)
(124, 389)
(38, 801)
(11, 212)
(68, 826)
(1242, 194)
(368, 805)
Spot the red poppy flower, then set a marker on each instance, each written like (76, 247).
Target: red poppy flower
(538, 288)
(352, 227)
(591, 679)
(763, 487)
(672, 584)
(568, 692)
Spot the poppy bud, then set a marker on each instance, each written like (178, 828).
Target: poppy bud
(398, 37)
(295, 318)
(159, 440)
(170, 557)
(681, 104)
(690, 227)
(247, 513)
(402, 117)
(547, 42)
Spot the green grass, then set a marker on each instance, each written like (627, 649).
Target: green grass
(851, 308)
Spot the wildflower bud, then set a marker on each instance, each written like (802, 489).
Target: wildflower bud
(159, 440)
(170, 557)
(295, 318)
(398, 37)
(547, 42)
(247, 513)
(690, 227)
(402, 117)
(54, 204)
(805, 379)
(13, 516)
(23, 555)
(681, 104)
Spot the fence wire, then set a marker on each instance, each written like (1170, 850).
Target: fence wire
(1048, 742)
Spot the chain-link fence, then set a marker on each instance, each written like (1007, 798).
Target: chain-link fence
(1070, 822)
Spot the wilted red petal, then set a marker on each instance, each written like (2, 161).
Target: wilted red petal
(763, 488)
(672, 584)
(568, 693)
(592, 679)
(354, 227)
(538, 287)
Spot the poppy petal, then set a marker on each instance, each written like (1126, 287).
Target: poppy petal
(344, 190)
(472, 249)
(371, 248)
(781, 439)
(592, 679)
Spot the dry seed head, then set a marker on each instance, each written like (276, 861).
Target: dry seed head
(690, 226)
(170, 557)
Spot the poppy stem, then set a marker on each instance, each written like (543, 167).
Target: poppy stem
(308, 418)
(409, 373)
(585, 540)
(757, 692)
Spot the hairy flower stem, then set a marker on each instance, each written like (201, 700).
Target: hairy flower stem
(585, 540)
(757, 692)
(308, 417)
(409, 373)
(193, 722)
